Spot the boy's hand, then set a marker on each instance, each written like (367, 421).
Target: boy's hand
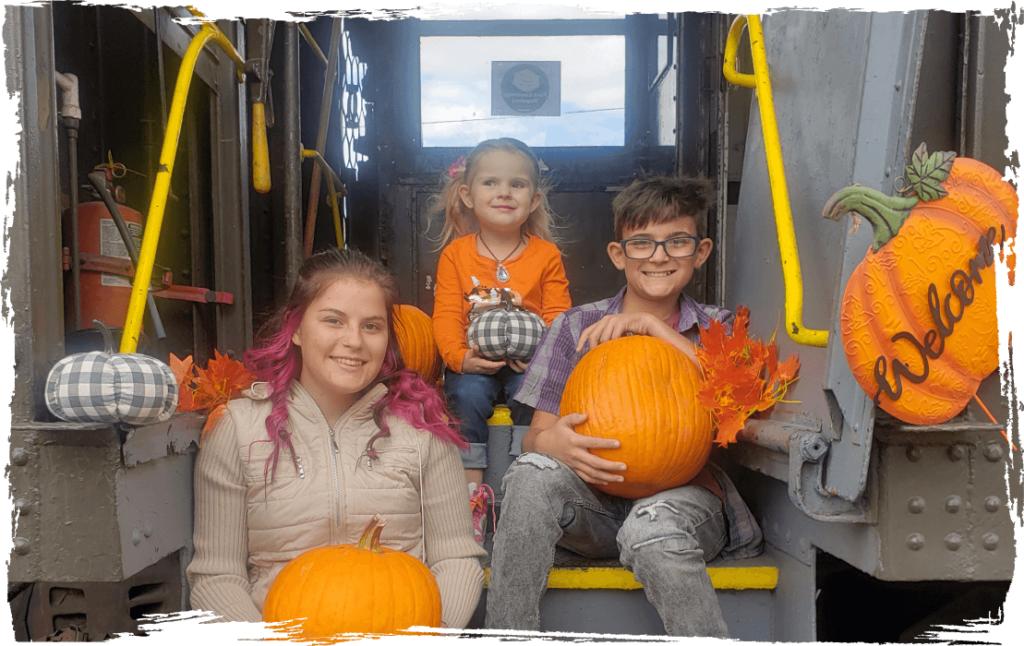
(562, 442)
(517, 365)
(475, 364)
(618, 325)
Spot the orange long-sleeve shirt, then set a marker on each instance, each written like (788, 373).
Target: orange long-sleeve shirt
(537, 274)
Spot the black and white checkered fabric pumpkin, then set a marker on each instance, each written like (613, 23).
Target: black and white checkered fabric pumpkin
(502, 333)
(103, 387)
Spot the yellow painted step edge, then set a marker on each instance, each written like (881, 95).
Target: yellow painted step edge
(722, 578)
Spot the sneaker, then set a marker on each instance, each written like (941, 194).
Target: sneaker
(478, 504)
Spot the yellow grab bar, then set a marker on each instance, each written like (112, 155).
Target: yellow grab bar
(776, 175)
(332, 193)
(158, 203)
(732, 44)
(223, 42)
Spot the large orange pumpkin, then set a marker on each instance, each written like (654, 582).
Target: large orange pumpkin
(363, 588)
(643, 392)
(918, 315)
(416, 341)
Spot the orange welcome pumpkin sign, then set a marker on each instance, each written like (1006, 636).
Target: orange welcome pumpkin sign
(918, 315)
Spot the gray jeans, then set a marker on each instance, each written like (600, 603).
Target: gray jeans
(664, 539)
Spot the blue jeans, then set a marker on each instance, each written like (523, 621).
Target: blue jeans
(471, 397)
(665, 539)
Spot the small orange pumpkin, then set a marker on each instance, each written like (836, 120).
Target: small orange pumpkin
(918, 315)
(643, 392)
(416, 341)
(363, 588)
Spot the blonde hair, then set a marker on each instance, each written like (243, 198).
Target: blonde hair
(460, 221)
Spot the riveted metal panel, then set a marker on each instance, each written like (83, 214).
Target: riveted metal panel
(23, 474)
(77, 505)
(943, 512)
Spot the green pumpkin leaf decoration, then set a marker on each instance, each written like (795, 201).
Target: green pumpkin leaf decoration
(926, 173)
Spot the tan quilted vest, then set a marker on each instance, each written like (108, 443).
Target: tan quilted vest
(333, 494)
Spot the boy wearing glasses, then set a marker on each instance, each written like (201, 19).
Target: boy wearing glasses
(665, 539)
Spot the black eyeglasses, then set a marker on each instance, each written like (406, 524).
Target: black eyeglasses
(644, 248)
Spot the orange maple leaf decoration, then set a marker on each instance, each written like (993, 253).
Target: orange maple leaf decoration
(742, 376)
(211, 389)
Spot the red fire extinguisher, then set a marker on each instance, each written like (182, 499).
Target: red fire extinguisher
(105, 295)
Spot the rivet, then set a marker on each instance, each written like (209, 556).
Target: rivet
(990, 541)
(916, 505)
(22, 506)
(913, 453)
(147, 530)
(993, 452)
(888, 171)
(915, 542)
(899, 85)
(953, 504)
(955, 452)
(992, 504)
(136, 537)
(22, 546)
(953, 542)
(19, 457)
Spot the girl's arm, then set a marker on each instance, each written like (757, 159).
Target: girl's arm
(452, 553)
(449, 319)
(554, 289)
(217, 576)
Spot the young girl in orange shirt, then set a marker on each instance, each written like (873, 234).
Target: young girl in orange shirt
(497, 227)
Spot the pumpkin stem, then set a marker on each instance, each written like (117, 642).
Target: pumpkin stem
(370, 539)
(885, 213)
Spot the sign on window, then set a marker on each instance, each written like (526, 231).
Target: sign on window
(526, 88)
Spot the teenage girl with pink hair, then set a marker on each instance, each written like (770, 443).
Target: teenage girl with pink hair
(335, 430)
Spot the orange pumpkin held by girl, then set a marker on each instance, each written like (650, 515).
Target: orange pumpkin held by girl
(363, 588)
(919, 312)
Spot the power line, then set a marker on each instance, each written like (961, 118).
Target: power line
(430, 123)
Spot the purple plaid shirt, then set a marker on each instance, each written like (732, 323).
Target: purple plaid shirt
(556, 357)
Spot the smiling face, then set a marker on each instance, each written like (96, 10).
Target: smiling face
(343, 338)
(658, 280)
(501, 193)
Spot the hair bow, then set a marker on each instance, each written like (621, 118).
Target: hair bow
(457, 168)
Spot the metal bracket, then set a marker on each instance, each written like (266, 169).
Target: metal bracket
(807, 451)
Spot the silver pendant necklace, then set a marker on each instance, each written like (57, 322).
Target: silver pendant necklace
(502, 273)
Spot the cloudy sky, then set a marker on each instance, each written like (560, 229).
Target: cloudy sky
(456, 90)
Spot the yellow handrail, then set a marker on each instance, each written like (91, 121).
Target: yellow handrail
(332, 196)
(158, 202)
(791, 274)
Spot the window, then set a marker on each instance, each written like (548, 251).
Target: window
(455, 90)
(460, 43)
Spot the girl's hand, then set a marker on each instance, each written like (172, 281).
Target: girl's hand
(517, 365)
(475, 364)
